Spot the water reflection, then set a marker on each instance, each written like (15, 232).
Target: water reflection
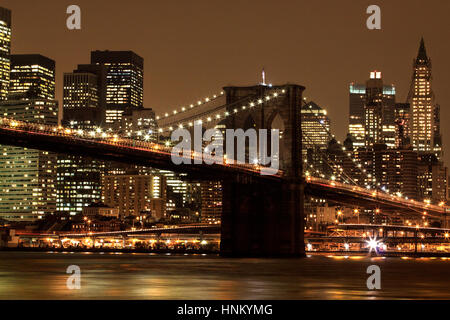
(152, 276)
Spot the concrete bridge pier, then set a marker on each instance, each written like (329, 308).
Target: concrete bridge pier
(262, 219)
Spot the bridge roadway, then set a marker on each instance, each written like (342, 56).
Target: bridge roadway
(358, 196)
(102, 145)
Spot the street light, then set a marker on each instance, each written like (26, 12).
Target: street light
(356, 211)
(339, 213)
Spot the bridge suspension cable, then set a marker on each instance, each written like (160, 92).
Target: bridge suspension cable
(199, 103)
(331, 164)
(358, 166)
(257, 101)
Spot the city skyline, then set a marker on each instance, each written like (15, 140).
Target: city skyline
(206, 74)
(224, 150)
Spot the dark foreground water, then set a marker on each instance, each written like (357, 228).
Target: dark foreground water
(26, 275)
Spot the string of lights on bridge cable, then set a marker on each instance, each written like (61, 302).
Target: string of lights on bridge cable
(358, 165)
(331, 164)
(206, 114)
(259, 101)
(348, 155)
(191, 106)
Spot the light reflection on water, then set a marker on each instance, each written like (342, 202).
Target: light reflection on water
(149, 276)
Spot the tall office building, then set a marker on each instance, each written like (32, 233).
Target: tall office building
(124, 83)
(372, 112)
(84, 97)
(33, 75)
(79, 178)
(356, 114)
(28, 176)
(5, 51)
(421, 98)
(315, 126)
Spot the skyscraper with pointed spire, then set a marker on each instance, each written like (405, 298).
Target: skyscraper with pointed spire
(425, 135)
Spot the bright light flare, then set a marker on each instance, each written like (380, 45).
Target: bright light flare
(373, 244)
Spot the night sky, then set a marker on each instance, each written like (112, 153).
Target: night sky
(192, 48)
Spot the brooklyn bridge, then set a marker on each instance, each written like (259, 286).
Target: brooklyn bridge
(262, 215)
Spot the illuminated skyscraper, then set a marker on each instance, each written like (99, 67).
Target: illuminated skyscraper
(372, 113)
(315, 126)
(84, 97)
(28, 176)
(356, 112)
(124, 82)
(79, 178)
(5, 51)
(422, 103)
(33, 75)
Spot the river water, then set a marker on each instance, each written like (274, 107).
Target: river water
(28, 275)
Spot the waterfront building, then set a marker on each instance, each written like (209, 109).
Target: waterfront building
(132, 194)
(100, 209)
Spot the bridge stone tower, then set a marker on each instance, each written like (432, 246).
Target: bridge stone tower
(264, 217)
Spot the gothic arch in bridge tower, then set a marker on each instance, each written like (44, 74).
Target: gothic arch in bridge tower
(275, 121)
